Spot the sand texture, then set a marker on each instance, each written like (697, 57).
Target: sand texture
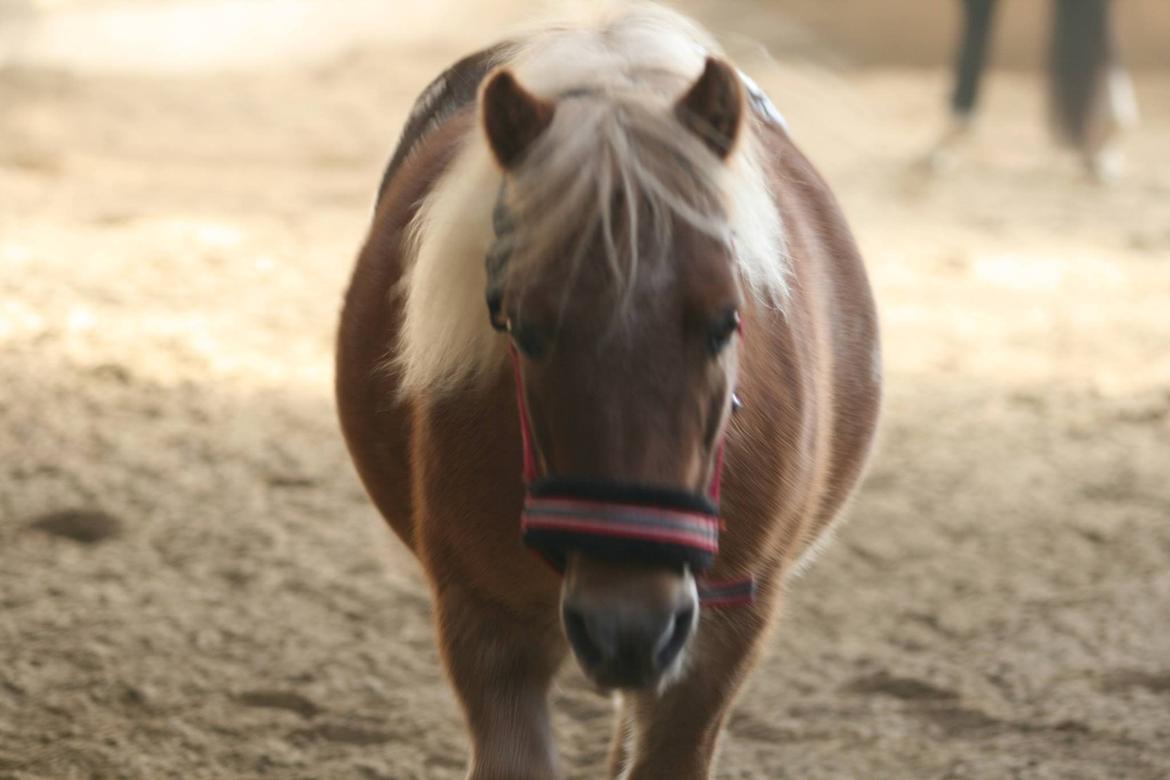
(194, 585)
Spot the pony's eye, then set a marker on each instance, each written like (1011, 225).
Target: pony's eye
(495, 306)
(721, 331)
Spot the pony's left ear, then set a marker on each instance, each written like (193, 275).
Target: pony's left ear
(713, 107)
(513, 117)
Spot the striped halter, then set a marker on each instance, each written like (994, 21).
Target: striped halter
(623, 522)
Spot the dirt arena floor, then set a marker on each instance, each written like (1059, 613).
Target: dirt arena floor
(193, 584)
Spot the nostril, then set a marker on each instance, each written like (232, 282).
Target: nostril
(676, 637)
(577, 631)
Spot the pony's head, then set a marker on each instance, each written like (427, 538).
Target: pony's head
(615, 277)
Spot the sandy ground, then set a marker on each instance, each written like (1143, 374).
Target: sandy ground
(193, 585)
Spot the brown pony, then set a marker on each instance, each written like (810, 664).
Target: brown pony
(654, 252)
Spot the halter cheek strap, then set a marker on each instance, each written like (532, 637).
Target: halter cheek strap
(522, 407)
(623, 522)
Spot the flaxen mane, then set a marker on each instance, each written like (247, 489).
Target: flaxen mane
(614, 139)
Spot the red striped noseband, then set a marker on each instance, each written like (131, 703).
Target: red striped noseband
(621, 522)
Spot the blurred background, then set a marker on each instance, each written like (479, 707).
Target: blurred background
(193, 584)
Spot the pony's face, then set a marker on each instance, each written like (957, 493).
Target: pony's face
(640, 397)
(641, 403)
(625, 384)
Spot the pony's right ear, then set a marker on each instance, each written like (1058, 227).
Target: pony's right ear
(513, 117)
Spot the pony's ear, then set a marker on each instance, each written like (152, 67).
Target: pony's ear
(512, 117)
(713, 107)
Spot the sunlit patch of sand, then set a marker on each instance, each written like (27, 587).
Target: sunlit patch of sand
(203, 35)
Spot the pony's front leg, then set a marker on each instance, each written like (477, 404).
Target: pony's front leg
(676, 733)
(501, 663)
(623, 726)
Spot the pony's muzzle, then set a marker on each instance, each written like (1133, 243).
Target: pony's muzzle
(630, 631)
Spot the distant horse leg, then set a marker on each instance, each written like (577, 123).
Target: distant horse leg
(676, 733)
(972, 60)
(970, 66)
(1092, 96)
(501, 664)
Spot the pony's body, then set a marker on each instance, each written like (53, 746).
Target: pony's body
(435, 434)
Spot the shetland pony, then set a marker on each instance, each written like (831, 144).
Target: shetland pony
(608, 365)
(1091, 96)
